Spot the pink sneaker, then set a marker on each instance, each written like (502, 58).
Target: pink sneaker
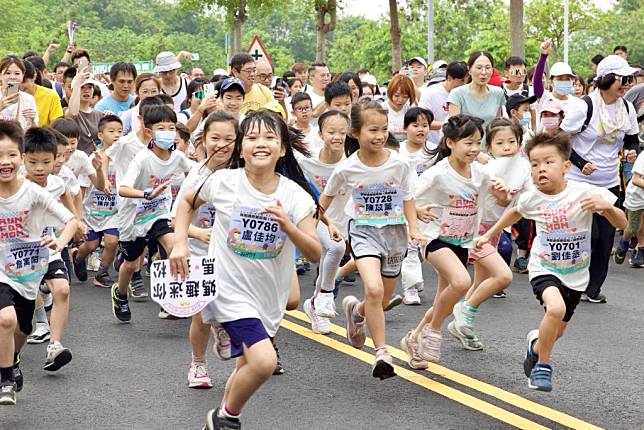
(383, 367)
(429, 347)
(355, 330)
(222, 347)
(410, 346)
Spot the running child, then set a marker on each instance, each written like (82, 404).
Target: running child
(558, 270)
(220, 132)
(634, 203)
(302, 113)
(261, 217)
(144, 214)
(27, 210)
(456, 185)
(320, 308)
(491, 274)
(382, 206)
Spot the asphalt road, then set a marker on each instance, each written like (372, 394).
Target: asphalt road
(133, 376)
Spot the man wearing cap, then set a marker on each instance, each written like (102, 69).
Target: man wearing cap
(418, 68)
(597, 144)
(166, 67)
(244, 68)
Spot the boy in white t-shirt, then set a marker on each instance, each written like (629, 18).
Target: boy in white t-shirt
(634, 202)
(560, 255)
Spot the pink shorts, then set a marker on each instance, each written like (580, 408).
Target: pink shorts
(487, 249)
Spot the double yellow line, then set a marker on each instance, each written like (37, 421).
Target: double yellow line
(465, 399)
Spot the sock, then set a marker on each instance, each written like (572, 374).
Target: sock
(6, 374)
(198, 359)
(230, 414)
(41, 316)
(470, 309)
(624, 244)
(326, 291)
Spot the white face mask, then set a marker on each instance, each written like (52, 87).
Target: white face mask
(526, 120)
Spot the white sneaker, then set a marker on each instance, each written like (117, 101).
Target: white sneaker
(93, 262)
(325, 305)
(57, 357)
(198, 376)
(410, 297)
(320, 325)
(40, 335)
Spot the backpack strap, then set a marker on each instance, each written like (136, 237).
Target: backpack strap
(589, 113)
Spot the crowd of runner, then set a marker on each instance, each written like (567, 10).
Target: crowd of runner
(446, 164)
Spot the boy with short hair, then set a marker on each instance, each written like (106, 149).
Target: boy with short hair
(232, 93)
(337, 95)
(302, 113)
(558, 269)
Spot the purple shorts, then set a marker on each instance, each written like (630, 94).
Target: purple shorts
(246, 331)
(97, 235)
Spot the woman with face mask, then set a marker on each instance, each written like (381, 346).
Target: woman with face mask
(602, 126)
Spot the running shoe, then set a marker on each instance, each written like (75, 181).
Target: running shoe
(299, 267)
(198, 375)
(103, 280)
(429, 347)
(320, 325)
(279, 369)
(599, 298)
(637, 260)
(410, 346)
(411, 297)
(40, 335)
(350, 278)
(93, 262)
(393, 302)
(355, 330)
(501, 295)
(541, 377)
(325, 305)
(222, 346)
(468, 342)
(464, 318)
(80, 267)
(57, 357)
(216, 420)
(120, 306)
(165, 315)
(18, 377)
(8, 393)
(138, 293)
(520, 265)
(383, 367)
(531, 358)
(620, 251)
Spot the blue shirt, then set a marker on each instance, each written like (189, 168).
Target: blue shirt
(110, 104)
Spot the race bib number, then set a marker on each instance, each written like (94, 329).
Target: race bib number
(565, 252)
(101, 204)
(147, 210)
(25, 261)
(254, 235)
(378, 205)
(457, 225)
(188, 297)
(206, 216)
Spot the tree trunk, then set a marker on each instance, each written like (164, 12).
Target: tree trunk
(517, 35)
(324, 7)
(396, 64)
(240, 18)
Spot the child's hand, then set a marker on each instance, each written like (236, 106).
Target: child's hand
(482, 158)
(53, 244)
(334, 233)
(204, 235)
(481, 241)
(81, 232)
(630, 155)
(160, 189)
(500, 191)
(417, 236)
(425, 214)
(279, 215)
(98, 160)
(595, 204)
(108, 188)
(179, 261)
(588, 168)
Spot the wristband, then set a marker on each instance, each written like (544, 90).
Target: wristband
(146, 193)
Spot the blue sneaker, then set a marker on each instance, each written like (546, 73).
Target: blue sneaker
(531, 358)
(541, 377)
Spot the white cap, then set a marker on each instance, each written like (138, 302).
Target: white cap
(219, 72)
(438, 64)
(91, 82)
(421, 60)
(616, 65)
(560, 69)
(165, 62)
(370, 79)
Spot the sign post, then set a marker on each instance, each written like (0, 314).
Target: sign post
(257, 50)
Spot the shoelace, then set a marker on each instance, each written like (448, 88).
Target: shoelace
(124, 307)
(201, 369)
(468, 319)
(223, 340)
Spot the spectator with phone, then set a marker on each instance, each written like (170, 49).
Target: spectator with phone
(82, 113)
(16, 105)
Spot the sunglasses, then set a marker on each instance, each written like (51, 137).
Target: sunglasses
(626, 80)
(517, 72)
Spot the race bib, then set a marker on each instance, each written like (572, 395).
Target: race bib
(206, 216)
(378, 205)
(565, 252)
(25, 261)
(254, 235)
(101, 204)
(147, 210)
(457, 225)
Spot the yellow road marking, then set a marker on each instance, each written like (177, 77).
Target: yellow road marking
(475, 384)
(444, 390)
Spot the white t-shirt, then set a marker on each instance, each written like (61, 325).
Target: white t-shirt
(635, 195)
(23, 218)
(205, 215)
(122, 152)
(81, 166)
(515, 173)
(313, 139)
(27, 101)
(419, 161)
(136, 216)
(594, 145)
(315, 99)
(71, 183)
(562, 245)
(396, 121)
(459, 199)
(377, 193)
(101, 209)
(434, 98)
(318, 174)
(251, 286)
(56, 188)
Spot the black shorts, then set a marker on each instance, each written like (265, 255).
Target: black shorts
(24, 308)
(570, 297)
(56, 270)
(436, 244)
(133, 249)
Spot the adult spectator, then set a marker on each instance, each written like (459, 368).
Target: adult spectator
(621, 51)
(418, 68)
(41, 69)
(434, 97)
(122, 76)
(401, 95)
(265, 77)
(301, 73)
(47, 101)
(145, 85)
(81, 111)
(197, 73)
(243, 67)
(59, 71)
(354, 83)
(166, 66)
(596, 146)
(594, 62)
(320, 78)
(16, 105)
(478, 98)
(80, 54)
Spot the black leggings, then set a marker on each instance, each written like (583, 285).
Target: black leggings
(601, 245)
